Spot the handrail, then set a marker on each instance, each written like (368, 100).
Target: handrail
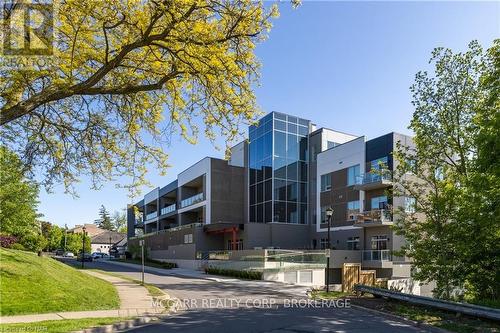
(168, 209)
(151, 215)
(370, 177)
(193, 200)
(464, 308)
(377, 255)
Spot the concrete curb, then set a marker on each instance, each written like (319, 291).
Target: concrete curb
(418, 324)
(123, 325)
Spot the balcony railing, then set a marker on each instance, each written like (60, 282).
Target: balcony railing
(193, 200)
(376, 215)
(377, 255)
(370, 177)
(168, 209)
(151, 215)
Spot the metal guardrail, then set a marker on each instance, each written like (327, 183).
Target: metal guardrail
(464, 308)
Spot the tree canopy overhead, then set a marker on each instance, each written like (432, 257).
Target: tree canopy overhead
(126, 74)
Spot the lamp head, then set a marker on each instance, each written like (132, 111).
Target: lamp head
(329, 212)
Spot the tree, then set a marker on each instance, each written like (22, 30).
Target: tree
(98, 110)
(18, 197)
(453, 234)
(120, 222)
(104, 221)
(55, 238)
(74, 243)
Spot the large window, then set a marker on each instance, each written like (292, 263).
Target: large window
(352, 175)
(379, 202)
(326, 182)
(353, 243)
(379, 163)
(278, 160)
(379, 242)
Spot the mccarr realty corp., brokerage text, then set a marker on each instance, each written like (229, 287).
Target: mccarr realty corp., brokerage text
(264, 303)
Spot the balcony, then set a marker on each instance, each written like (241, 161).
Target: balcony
(151, 215)
(371, 181)
(377, 255)
(193, 200)
(168, 209)
(376, 217)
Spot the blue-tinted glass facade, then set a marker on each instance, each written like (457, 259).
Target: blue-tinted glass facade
(278, 166)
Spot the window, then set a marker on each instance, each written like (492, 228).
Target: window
(379, 202)
(379, 242)
(412, 165)
(351, 205)
(188, 238)
(326, 182)
(323, 217)
(410, 205)
(379, 163)
(353, 243)
(331, 144)
(323, 243)
(352, 210)
(238, 246)
(439, 173)
(352, 175)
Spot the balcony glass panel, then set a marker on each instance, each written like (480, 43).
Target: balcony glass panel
(168, 209)
(377, 255)
(193, 200)
(151, 215)
(369, 178)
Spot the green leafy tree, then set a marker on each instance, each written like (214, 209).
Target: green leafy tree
(453, 233)
(74, 243)
(120, 221)
(18, 197)
(123, 71)
(104, 221)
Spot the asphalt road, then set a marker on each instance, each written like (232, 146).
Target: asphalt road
(252, 306)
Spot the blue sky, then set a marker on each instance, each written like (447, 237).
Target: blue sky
(344, 65)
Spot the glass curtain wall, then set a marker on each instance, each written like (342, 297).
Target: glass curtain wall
(278, 169)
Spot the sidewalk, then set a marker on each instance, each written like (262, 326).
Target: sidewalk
(134, 301)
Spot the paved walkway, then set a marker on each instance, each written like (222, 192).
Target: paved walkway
(134, 301)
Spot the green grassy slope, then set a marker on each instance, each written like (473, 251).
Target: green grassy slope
(31, 284)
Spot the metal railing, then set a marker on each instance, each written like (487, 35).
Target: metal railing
(375, 215)
(193, 200)
(151, 215)
(168, 209)
(377, 255)
(464, 308)
(370, 177)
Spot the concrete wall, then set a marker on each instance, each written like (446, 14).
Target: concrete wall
(333, 160)
(279, 235)
(227, 192)
(340, 257)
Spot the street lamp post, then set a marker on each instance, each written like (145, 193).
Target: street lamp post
(329, 214)
(83, 247)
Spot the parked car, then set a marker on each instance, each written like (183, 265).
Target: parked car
(59, 252)
(86, 257)
(68, 255)
(96, 255)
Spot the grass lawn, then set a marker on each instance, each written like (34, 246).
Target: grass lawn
(59, 326)
(435, 317)
(32, 284)
(320, 294)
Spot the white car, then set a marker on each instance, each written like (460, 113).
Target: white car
(68, 255)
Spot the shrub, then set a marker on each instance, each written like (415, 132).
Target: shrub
(7, 241)
(249, 275)
(17, 246)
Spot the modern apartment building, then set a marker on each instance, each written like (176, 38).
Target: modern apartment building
(273, 193)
